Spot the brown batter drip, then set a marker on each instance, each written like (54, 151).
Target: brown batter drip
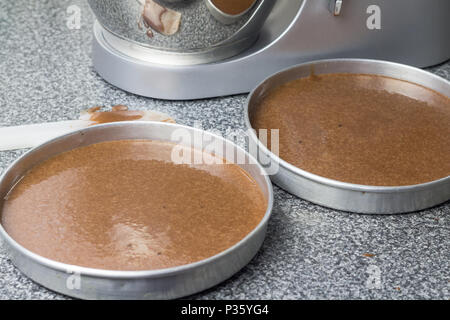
(361, 129)
(233, 6)
(118, 113)
(124, 205)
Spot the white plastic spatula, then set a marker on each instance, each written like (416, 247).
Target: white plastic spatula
(29, 136)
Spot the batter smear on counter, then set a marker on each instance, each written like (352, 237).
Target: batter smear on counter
(117, 113)
(121, 112)
(124, 205)
(358, 128)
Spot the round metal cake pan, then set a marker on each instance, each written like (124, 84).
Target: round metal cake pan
(170, 283)
(341, 195)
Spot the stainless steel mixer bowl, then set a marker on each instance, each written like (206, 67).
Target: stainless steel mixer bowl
(201, 32)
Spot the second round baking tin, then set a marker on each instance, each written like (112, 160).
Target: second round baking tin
(341, 195)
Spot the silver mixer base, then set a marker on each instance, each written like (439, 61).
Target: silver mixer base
(295, 32)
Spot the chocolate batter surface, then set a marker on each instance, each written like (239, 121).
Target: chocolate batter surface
(124, 205)
(362, 129)
(233, 6)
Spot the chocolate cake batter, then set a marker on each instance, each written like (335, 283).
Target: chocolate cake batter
(233, 7)
(124, 205)
(362, 129)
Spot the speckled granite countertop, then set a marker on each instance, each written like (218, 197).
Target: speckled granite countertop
(310, 252)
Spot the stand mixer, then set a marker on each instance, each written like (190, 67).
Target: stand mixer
(194, 49)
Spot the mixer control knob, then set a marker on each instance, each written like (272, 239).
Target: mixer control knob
(336, 7)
